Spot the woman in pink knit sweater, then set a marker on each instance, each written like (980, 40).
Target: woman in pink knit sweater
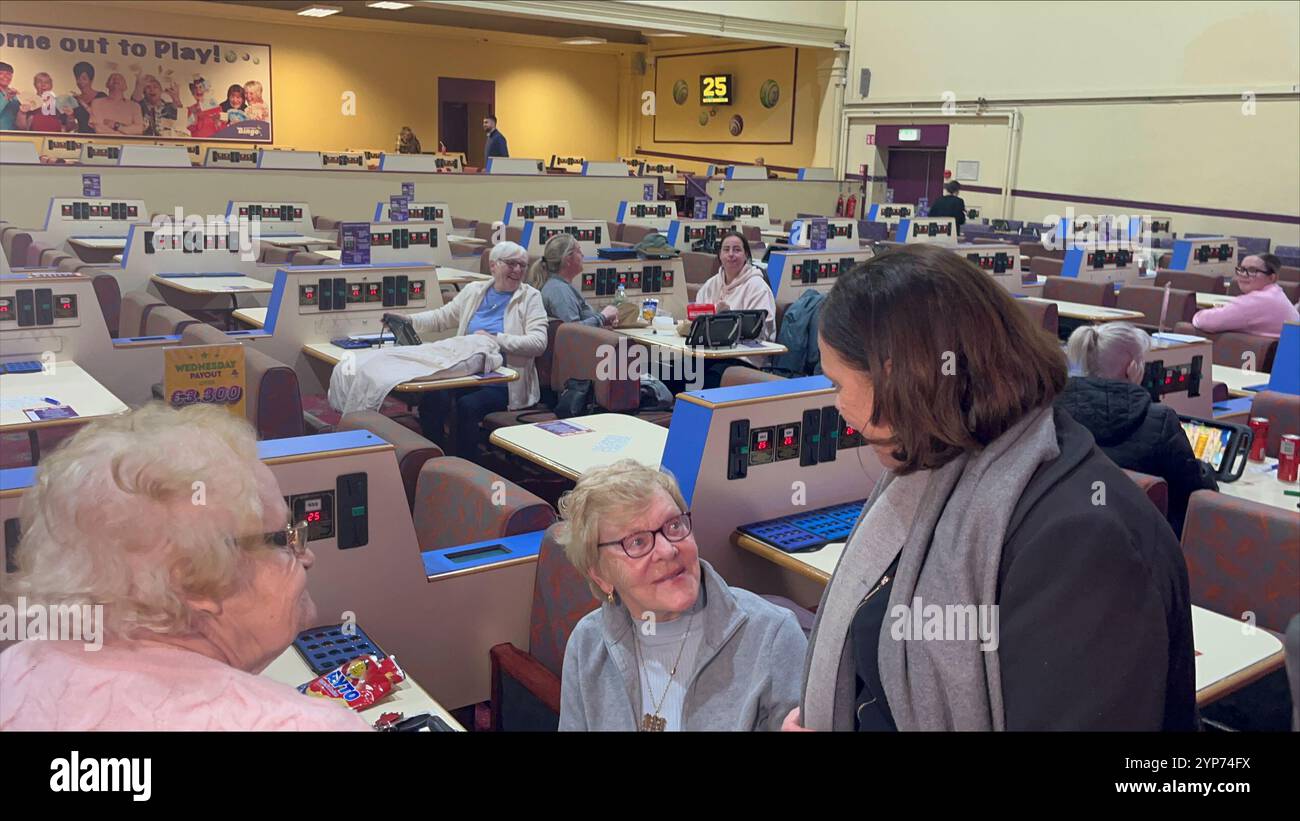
(1263, 307)
(165, 529)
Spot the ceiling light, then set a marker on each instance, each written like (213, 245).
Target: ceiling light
(585, 41)
(316, 10)
(665, 34)
(389, 5)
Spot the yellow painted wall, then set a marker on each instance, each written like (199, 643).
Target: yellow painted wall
(1199, 153)
(813, 67)
(549, 100)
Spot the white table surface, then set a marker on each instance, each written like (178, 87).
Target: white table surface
(672, 340)
(1238, 379)
(1213, 300)
(466, 240)
(67, 384)
(293, 239)
(1091, 313)
(1228, 647)
(613, 436)
(1259, 483)
(408, 697)
(215, 285)
(99, 243)
(252, 316)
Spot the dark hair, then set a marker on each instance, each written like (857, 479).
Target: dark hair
(6, 67)
(952, 187)
(233, 89)
(916, 307)
(744, 243)
(1271, 262)
(83, 68)
(491, 117)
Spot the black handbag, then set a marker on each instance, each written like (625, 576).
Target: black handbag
(577, 399)
(714, 330)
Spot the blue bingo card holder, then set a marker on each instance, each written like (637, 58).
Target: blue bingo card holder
(30, 366)
(809, 530)
(325, 648)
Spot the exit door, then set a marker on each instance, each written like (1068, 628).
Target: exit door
(914, 173)
(462, 105)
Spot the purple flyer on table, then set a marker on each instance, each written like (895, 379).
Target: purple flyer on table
(701, 208)
(559, 427)
(408, 190)
(90, 185)
(648, 191)
(354, 243)
(399, 208)
(48, 414)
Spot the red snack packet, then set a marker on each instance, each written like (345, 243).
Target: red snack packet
(358, 683)
(699, 309)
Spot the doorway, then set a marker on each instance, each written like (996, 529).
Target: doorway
(462, 105)
(915, 173)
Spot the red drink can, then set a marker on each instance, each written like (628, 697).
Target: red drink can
(1259, 430)
(1288, 458)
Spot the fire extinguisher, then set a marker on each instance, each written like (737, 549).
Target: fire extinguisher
(851, 206)
(839, 205)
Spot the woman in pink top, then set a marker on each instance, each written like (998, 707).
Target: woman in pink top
(1263, 307)
(170, 537)
(737, 285)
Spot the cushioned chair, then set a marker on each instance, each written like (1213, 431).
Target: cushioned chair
(1155, 487)
(109, 297)
(1148, 300)
(526, 683)
(17, 250)
(632, 234)
(1044, 314)
(51, 257)
(740, 375)
(312, 258)
(277, 255)
(753, 234)
(272, 398)
(165, 320)
(1045, 266)
(1288, 274)
(1243, 556)
(1231, 348)
(483, 230)
(135, 309)
(458, 502)
(462, 224)
(514, 233)
(697, 267)
(1190, 281)
(413, 450)
(1036, 249)
(1070, 289)
(32, 259)
(326, 223)
(1283, 413)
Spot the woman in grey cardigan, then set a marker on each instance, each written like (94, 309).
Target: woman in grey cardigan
(672, 647)
(553, 275)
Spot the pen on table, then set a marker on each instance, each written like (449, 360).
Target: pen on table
(50, 401)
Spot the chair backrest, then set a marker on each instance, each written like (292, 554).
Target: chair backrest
(164, 320)
(514, 233)
(561, 598)
(311, 258)
(456, 503)
(697, 266)
(740, 375)
(1044, 314)
(545, 361)
(1045, 266)
(272, 395)
(483, 230)
(1250, 246)
(412, 449)
(635, 233)
(1231, 348)
(462, 224)
(135, 309)
(1192, 281)
(7, 234)
(752, 233)
(34, 251)
(1291, 289)
(17, 250)
(484, 265)
(1283, 413)
(1288, 274)
(109, 296)
(1148, 300)
(51, 257)
(1070, 289)
(277, 255)
(1243, 556)
(1155, 487)
(1036, 249)
(579, 353)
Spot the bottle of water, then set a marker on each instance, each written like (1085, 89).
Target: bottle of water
(620, 296)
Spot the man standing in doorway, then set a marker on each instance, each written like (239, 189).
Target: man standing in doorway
(950, 205)
(496, 141)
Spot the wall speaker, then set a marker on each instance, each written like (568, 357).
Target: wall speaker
(864, 82)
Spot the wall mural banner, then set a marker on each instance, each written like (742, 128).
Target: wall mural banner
(88, 81)
(756, 86)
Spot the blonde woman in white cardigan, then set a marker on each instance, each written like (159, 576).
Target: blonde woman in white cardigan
(511, 312)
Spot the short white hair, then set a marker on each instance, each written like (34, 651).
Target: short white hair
(117, 517)
(507, 250)
(1105, 351)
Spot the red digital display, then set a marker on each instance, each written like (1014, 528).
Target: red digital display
(762, 444)
(314, 516)
(848, 431)
(788, 439)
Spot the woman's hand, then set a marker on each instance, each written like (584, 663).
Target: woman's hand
(722, 306)
(488, 334)
(610, 313)
(792, 725)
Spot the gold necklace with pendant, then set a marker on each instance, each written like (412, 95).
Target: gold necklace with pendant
(653, 723)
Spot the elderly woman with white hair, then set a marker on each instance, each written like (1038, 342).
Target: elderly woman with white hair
(1104, 395)
(198, 594)
(671, 647)
(511, 312)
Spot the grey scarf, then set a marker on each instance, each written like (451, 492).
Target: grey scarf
(950, 525)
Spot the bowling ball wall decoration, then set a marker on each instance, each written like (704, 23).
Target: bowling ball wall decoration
(679, 92)
(704, 118)
(769, 94)
(736, 125)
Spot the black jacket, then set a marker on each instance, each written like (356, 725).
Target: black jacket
(949, 206)
(1094, 619)
(1140, 435)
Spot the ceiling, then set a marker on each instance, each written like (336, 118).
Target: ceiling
(423, 14)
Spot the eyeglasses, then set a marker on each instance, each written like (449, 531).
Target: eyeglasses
(639, 544)
(1250, 272)
(515, 263)
(293, 538)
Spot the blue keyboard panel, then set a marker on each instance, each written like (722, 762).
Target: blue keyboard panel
(809, 530)
(21, 367)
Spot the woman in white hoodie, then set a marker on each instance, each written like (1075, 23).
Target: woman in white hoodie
(511, 312)
(737, 285)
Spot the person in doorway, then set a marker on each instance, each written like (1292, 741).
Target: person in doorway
(950, 205)
(496, 141)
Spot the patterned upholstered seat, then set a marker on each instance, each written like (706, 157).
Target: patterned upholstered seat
(459, 502)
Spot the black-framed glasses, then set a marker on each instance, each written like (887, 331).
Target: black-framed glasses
(1243, 271)
(639, 544)
(293, 538)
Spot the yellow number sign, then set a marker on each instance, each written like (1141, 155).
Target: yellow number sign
(715, 89)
